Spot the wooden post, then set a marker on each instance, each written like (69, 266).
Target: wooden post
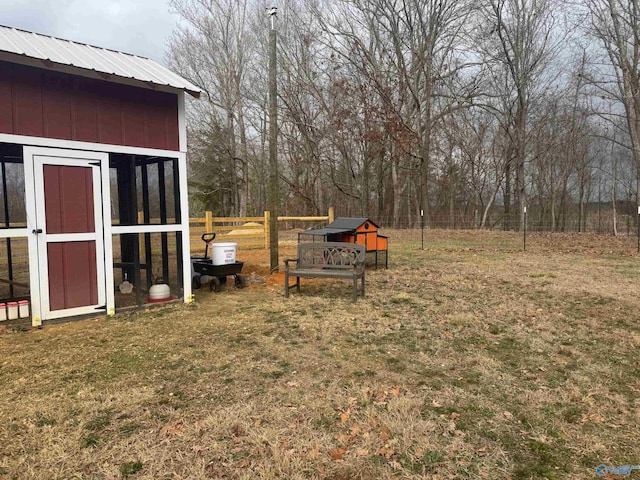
(267, 230)
(140, 218)
(273, 192)
(332, 215)
(208, 221)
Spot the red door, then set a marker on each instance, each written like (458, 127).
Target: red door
(70, 237)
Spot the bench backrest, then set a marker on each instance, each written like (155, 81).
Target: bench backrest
(336, 255)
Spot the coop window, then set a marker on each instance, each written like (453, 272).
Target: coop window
(144, 190)
(14, 252)
(141, 259)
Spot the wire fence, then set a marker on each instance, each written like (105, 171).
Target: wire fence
(603, 221)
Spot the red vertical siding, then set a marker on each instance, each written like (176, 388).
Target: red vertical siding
(41, 103)
(57, 108)
(155, 123)
(27, 102)
(68, 194)
(109, 122)
(73, 277)
(6, 101)
(132, 109)
(85, 116)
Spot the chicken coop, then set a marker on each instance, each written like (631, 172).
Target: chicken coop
(93, 177)
(359, 230)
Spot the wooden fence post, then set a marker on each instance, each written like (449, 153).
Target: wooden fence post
(267, 230)
(208, 221)
(332, 215)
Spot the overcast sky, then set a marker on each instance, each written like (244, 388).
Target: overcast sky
(141, 27)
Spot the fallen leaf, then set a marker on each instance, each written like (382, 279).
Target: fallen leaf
(344, 417)
(507, 415)
(386, 452)
(436, 404)
(313, 453)
(238, 431)
(447, 334)
(594, 417)
(362, 452)
(454, 416)
(395, 391)
(381, 397)
(337, 453)
(384, 434)
(172, 430)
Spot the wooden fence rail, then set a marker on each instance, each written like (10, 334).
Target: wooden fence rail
(247, 232)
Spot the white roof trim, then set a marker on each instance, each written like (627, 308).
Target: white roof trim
(62, 52)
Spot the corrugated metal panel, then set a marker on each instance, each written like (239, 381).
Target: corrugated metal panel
(79, 55)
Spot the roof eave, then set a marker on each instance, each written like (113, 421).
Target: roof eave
(47, 64)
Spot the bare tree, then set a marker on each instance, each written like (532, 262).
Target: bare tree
(212, 49)
(616, 23)
(521, 37)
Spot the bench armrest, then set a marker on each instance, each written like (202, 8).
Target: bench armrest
(289, 260)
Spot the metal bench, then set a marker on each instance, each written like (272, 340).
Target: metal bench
(327, 260)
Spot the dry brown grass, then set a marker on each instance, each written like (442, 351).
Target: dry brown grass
(469, 359)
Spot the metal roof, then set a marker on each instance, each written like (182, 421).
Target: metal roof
(339, 225)
(323, 232)
(57, 51)
(351, 223)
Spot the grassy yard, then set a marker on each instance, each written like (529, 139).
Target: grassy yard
(469, 359)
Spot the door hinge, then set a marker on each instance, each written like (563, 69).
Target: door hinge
(103, 307)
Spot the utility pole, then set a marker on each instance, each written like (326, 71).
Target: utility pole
(274, 195)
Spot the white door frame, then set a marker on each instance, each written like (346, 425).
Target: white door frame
(34, 160)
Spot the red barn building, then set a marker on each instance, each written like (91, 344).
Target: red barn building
(93, 177)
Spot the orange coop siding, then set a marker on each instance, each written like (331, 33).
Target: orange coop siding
(372, 228)
(383, 242)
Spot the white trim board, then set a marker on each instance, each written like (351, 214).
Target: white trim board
(13, 232)
(88, 146)
(118, 230)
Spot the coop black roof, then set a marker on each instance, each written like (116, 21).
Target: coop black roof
(349, 223)
(339, 225)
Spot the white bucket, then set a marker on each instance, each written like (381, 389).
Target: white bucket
(12, 310)
(223, 253)
(23, 308)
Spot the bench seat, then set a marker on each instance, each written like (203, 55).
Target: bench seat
(328, 260)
